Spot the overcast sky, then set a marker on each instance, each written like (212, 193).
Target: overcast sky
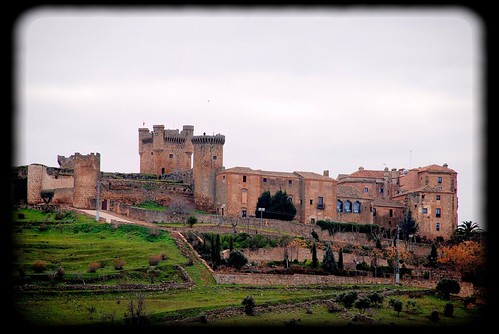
(291, 89)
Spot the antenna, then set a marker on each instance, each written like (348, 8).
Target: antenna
(410, 159)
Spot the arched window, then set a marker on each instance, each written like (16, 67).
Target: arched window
(339, 206)
(356, 207)
(348, 206)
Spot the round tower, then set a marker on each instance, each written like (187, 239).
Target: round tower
(86, 176)
(208, 160)
(188, 132)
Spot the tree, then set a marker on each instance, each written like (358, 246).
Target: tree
(468, 230)
(236, 259)
(397, 305)
(408, 226)
(446, 286)
(433, 256)
(249, 305)
(47, 196)
(362, 304)
(467, 257)
(328, 263)
(278, 206)
(315, 261)
(191, 221)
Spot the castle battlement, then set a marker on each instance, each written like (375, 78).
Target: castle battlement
(217, 139)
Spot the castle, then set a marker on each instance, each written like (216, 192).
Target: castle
(195, 163)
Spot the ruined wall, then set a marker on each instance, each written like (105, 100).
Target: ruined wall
(40, 179)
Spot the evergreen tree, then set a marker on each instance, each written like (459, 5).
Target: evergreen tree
(231, 244)
(328, 263)
(408, 226)
(340, 259)
(433, 257)
(315, 261)
(278, 206)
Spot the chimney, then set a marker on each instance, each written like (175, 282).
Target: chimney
(326, 173)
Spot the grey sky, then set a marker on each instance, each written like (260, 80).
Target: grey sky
(291, 89)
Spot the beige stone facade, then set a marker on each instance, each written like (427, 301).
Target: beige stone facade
(238, 190)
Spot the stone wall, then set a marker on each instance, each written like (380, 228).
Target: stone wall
(39, 179)
(153, 216)
(306, 280)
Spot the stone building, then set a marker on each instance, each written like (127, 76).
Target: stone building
(180, 166)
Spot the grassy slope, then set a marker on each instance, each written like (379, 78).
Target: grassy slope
(77, 240)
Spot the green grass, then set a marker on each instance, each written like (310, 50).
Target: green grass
(74, 242)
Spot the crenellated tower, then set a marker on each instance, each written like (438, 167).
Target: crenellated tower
(163, 151)
(208, 160)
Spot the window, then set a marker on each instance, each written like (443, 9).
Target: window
(348, 206)
(214, 157)
(374, 212)
(244, 178)
(425, 210)
(439, 179)
(170, 155)
(311, 202)
(264, 179)
(422, 196)
(438, 197)
(356, 207)
(320, 202)
(339, 206)
(438, 213)
(312, 220)
(366, 190)
(301, 202)
(437, 227)
(244, 196)
(390, 223)
(223, 177)
(243, 213)
(163, 171)
(380, 190)
(290, 181)
(391, 212)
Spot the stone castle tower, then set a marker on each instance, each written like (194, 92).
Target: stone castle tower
(86, 176)
(208, 160)
(163, 151)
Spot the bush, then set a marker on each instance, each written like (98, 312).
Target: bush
(449, 310)
(434, 316)
(249, 305)
(236, 259)
(446, 286)
(118, 263)
(39, 266)
(191, 221)
(348, 299)
(93, 266)
(154, 260)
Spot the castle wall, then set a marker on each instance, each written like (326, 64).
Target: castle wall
(39, 179)
(87, 172)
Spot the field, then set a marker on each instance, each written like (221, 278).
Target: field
(73, 271)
